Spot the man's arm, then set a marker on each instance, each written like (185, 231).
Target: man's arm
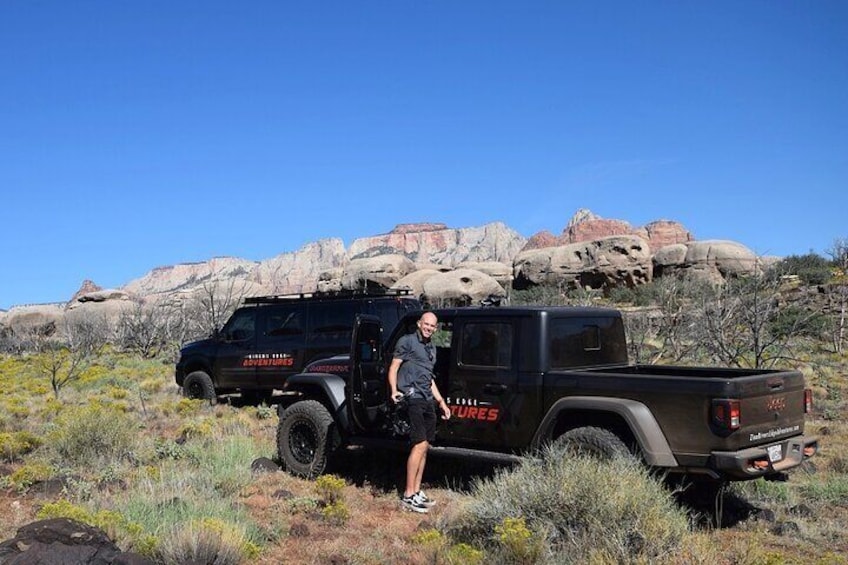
(394, 393)
(446, 413)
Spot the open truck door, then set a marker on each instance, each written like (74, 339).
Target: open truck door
(367, 384)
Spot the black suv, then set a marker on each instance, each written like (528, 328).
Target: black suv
(272, 337)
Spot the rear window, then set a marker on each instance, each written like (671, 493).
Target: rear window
(578, 342)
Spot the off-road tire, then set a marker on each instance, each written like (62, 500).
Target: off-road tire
(594, 442)
(199, 385)
(304, 438)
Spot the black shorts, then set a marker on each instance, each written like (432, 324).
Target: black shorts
(422, 420)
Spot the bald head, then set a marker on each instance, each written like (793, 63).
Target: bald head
(427, 324)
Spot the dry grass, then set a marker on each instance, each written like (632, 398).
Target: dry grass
(160, 489)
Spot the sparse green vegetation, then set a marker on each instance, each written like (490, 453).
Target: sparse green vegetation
(171, 478)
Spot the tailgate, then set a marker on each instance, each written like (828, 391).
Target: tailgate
(772, 408)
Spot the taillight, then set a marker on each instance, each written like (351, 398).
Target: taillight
(808, 401)
(727, 414)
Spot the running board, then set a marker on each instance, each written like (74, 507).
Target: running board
(403, 445)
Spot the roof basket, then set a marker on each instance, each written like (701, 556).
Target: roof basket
(327, 295)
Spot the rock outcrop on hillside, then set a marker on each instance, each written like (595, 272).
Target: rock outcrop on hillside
(587, 226)
(710, 260)
(436, 243)
(432, 258)
(299, 271)
(603, 263)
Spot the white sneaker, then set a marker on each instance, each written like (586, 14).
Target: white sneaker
(412, 503)
(423, 499)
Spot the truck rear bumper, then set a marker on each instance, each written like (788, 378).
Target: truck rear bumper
(764, 460)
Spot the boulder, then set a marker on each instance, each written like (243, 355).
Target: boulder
(382, 271)
(40, 318)
(669, 259)
(708, 260)
(62, 540)
(432, 267)
(721, 257)
(415, 281)
(102, 296)
(501, 272)
(603, 263)
(461, 287)
(330, 280)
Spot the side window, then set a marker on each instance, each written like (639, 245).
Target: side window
(240, 327)
(331, 319)
(578, 342)
(284, 321)
(486, 344)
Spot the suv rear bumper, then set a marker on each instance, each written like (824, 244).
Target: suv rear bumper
(757, 461)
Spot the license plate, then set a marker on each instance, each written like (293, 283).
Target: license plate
(775, 453)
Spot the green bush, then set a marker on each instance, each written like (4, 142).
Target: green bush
(94, 433)
(14, 445)
(811, 268)
(208, 540)
(579, 509)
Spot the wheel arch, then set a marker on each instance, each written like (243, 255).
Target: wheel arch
(326, 388)
(631, 420)
(190, 366)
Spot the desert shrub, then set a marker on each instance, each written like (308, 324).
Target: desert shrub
(642, 295)
(580, 508)
(225, 461)
(336, 513)
(206, 540)
(795, 321)
(517, 543)
(29, 474)
(542, 295)
(764, 491)
(831, 490)
(93, 433)
(14, 445)
(464, 554)
(329, 488)
(181, 497)
(811, 268)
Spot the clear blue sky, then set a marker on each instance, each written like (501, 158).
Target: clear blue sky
(148, 133)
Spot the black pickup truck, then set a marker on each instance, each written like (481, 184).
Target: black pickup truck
(516, 378)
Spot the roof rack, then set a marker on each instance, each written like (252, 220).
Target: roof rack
(326, 295)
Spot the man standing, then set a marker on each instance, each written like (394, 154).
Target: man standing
(411, 375)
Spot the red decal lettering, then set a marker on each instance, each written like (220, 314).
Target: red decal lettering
(481, 413)
(493, 414)
(472, 412)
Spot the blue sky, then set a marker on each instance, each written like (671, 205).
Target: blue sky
(148, 133)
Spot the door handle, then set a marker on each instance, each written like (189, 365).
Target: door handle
(495, 388)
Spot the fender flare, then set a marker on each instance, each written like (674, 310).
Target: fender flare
(638, 417)
(333, 388)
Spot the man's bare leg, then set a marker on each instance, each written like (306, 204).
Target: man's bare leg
(415, 467)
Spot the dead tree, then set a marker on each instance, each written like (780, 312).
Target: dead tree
(64, 356)
(838, 293)
(746, 323)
